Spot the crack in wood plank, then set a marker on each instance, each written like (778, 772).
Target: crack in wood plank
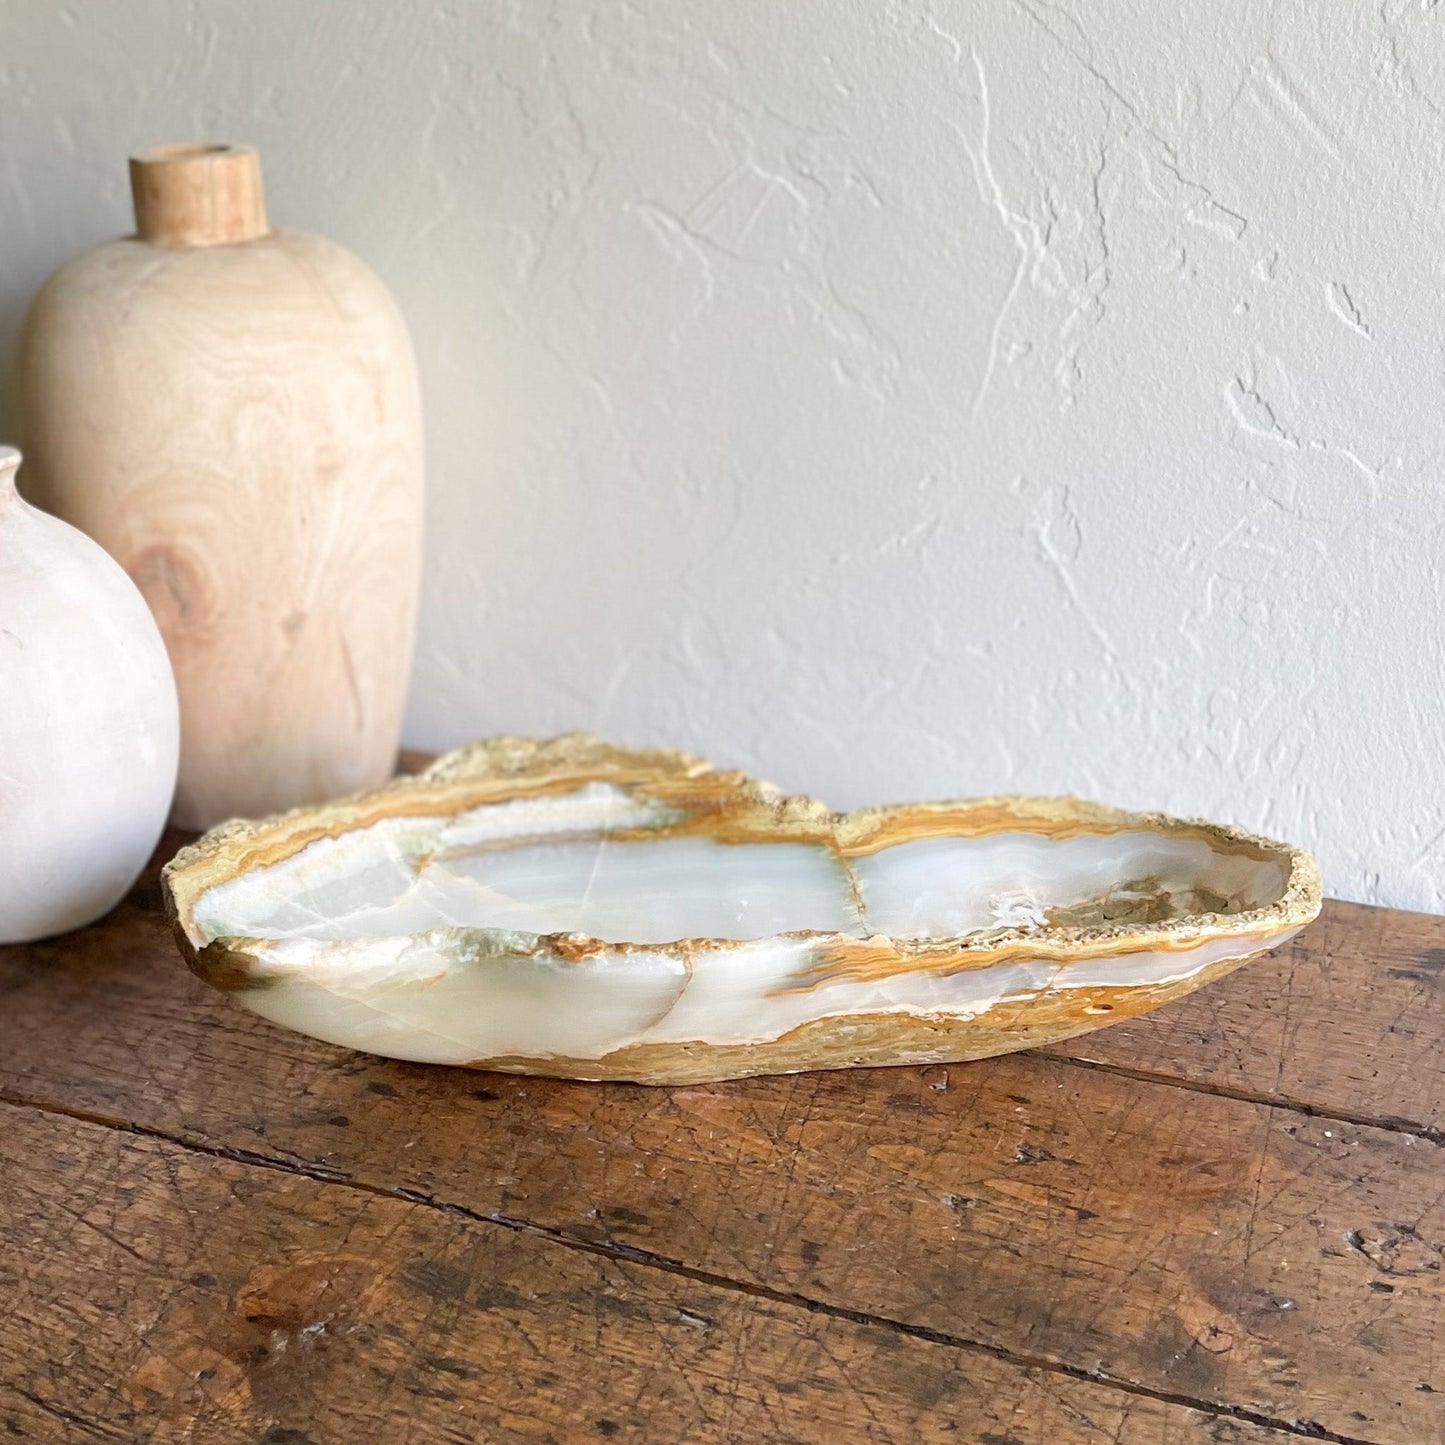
(1387, 1123)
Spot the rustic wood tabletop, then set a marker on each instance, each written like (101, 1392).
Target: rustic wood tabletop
(1222, 1222)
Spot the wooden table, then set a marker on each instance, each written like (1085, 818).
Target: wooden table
(1222, 1223)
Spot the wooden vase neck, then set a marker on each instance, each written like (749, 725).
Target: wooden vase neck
(198, 195)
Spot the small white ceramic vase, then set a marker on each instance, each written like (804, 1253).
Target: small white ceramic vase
(89, 727)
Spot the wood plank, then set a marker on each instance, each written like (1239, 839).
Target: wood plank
(154, 1293)
(1347, 1019)
(1201, 1246)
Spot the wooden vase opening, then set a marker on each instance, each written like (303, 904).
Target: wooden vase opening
(198, 195)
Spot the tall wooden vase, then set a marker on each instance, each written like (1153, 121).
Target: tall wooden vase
(232, 412)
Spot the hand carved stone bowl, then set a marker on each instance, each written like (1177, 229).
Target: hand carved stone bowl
(588, 911)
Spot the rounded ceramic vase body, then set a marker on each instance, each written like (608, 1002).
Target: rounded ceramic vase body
(88, 724)
(232, 412)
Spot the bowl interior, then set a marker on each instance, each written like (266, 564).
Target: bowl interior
(617, 865)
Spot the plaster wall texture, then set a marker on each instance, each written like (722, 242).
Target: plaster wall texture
(896, 399)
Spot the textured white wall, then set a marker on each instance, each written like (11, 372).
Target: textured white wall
(895, 399)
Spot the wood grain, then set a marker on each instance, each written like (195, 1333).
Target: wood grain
(1205, 1247)
(154, 1293)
